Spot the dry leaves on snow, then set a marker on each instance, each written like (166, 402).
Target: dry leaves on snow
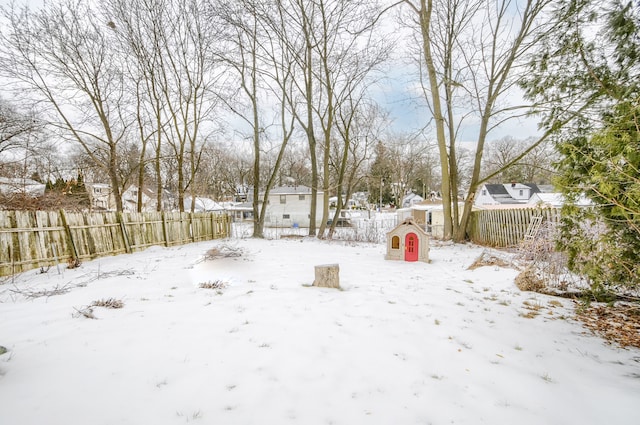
(618, 324)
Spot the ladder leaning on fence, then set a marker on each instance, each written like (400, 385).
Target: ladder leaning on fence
(530, 245)
(534, 228)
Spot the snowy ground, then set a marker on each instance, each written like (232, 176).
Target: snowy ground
(402, 343)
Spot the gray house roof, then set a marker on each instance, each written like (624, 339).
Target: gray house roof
(501, 195)
(496, 189)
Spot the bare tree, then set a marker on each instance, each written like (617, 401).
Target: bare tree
(473, 53)
(137, 23)
(62, 58)
(535, 167)
(258, 55)
(360, 124)
(16, 128)
(336, 50)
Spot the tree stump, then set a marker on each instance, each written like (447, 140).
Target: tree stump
(327, 276)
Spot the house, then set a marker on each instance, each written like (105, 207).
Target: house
(408, 242)
(101, 196)
(556, 200)
(130, 199)
(429, 216)
(240, 211)
(149, 199)
(289, 206)
(411, 199)
(501, 194)
(22, 186)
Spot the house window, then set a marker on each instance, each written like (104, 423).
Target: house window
(283, 199)
(300, 197)
(484, 192)
(286, 216)
(521, 192)
(395, 242)
(97, 190)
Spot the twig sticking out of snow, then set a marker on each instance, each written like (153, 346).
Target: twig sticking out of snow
(108, 303)
(216, 284)
(84, 312)
(57, 290)
(87, 311)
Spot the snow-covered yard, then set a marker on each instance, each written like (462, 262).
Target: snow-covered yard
(402, 343)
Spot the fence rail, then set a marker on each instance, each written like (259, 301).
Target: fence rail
(31, 239)
(506, 228)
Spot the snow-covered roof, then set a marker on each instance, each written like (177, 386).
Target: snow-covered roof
(202, 204)
(291, 190)
(19, 185)
(553, 199)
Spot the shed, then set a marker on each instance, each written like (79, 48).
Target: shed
(408, 242)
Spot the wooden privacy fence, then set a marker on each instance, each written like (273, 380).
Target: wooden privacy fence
(31, 239)
(506, 228)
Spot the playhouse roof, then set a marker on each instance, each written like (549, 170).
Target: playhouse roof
(407, 222)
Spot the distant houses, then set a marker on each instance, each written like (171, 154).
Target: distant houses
(505, 194)
(520, 195)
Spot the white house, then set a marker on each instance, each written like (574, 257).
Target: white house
(101, 196)
(411, 199)
(20, 185)
(499, 194)
(556, 200)
(428, 216)
(130, 199)
(289, 206)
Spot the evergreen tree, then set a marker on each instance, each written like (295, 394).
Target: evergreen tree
(590, 81)
(380, 176)
(60, 185)
(80, 194)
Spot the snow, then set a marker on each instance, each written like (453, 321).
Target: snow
(401, 343)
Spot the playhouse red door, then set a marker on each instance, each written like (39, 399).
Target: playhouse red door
(411, 247)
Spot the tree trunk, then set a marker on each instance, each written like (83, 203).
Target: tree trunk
(425, 24)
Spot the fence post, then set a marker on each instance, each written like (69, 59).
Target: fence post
(123, 229)
(191, 235)
(164, 229)
(67, 228)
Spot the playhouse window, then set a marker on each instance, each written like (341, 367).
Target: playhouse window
(300, 197)
(395, 242)
(286, 216)
(283, 199)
